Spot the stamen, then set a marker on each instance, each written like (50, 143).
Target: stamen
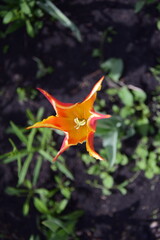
(79, 123)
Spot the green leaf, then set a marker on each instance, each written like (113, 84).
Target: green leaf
(42, 69)
(27, 183)
(14, 26)
(54, 223)
(37, 170)
(46, 137)
(61, 205)
(64, 170)
(108, 182)
(46, 155)
(26, 208)
(14, 191)
(12, 156)
(110, 145)
(40, 114)
(32, 237)
(106, 192)
(143, 125)
(25, 8)
(73, 215)
(8, 17)
(44, 193)
(149, 174)
(113, 67)
(29, 28)
(126, 96)
(122, 190)
(19, 161)
(24, 169)
(40, 206)
(106, 126)
(158, 24)
(19, 133)
(30, 116)
(96, 52)
(94, 170)
(139, 5)
(66, 192)
(30, 139)
(51, 225)
(139, 95)
(56, 13)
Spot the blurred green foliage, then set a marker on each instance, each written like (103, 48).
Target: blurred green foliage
(132, 117)
(156, 70)
(140, 4)
(31, 14)
(52, 202)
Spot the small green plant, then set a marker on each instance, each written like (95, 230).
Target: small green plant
(113, 67)
(42, 70)
(43, 145)
(30, 14)
(141, 3)
(141, 121)
(49, 202)
(131, 117)
(25, 93)
(156, 70)
(110, 130)
(106, 36)
(147, 160)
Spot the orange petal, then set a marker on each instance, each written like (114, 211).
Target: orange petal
(90, 147)
(91, 123)
(64, 146)
(55, 103)
(77, 135)
(50, 122)
(95, 89)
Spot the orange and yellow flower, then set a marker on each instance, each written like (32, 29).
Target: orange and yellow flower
(77, 121)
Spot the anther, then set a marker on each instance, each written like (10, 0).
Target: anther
(79, 123)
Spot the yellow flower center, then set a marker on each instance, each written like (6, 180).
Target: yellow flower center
(79, 123)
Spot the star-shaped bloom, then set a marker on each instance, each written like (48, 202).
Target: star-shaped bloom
(77, 121)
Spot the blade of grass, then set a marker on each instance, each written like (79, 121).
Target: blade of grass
(30, 115)
(46, 135)
(64, 170)
(12, 156)
(40, 114)
(24, 169)
(53, 222)
(37, 170)
(19, 163)
(56, 13)
(30, 139)
(46, 155)
(19, 133)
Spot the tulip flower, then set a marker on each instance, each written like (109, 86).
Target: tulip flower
(77, 121)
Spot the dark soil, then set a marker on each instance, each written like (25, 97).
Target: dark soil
(117, 217)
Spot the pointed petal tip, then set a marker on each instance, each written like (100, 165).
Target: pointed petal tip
(102, 78)
(40, 89)
(54, 159)
(108, 116)
(64, 147)
(27, 128)
(90, 147)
